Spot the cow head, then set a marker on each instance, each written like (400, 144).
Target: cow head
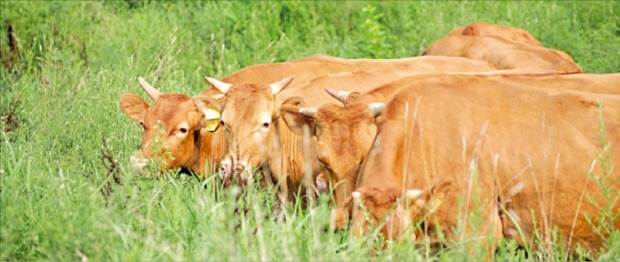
(343, 136)
(248, 117)
(172, 127)
(391, 211)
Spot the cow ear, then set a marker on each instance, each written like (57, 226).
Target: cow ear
(133, 106)
(296, 118)
(280, 85)
(429, 199)
(210, 107)
(471, 29)
(295, 115)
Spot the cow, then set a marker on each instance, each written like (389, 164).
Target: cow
(257, 136)
(204, 157)
(507, 32)
(523, 157)
(174, 131)
(344, 134)
(504, 54)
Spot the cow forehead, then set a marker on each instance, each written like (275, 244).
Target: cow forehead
(249, 102)
(351, 113)
(170, 109)
(247, 91)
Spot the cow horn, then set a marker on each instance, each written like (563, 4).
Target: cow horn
(278, 86)
(376, 108)
(308, 111)
(217, 96)
(150, 90)
(219, 85)
(340, 95)
(414, 194)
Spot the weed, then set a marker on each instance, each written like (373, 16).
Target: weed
(9, 118)
(111, 166)
(605, 221)
(12, 55)
(376, 43)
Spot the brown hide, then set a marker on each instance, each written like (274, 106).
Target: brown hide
(344, 133)
(507, 32)
(307, 69)
(592, 83)
(531, 148)
(504, 54)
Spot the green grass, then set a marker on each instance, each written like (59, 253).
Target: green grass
(75, 59)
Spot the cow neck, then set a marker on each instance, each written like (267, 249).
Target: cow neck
(209, 152)
(344, 189)
(197, 166)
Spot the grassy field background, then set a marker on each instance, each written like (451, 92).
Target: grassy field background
(63, 134)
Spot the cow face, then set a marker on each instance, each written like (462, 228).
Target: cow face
(248, 115)
(171, 127)
(392, 212)
(343, 137)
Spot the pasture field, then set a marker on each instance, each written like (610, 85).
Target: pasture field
(67, 190)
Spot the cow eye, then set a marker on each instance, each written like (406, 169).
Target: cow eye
(142, 125)
(183, 130)
(266, 125)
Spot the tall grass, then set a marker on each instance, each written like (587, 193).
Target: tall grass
(61, 83)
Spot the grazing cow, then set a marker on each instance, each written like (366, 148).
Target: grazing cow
(504, 54)
(174, 131)
(344, 134)
(516, 155)
(507, 32)
(257, 136)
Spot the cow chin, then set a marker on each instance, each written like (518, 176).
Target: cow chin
(234, 172)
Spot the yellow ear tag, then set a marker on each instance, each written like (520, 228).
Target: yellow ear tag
(211, 118)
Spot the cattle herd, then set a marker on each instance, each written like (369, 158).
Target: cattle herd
(486, 120)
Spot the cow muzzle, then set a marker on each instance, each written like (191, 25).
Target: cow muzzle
(138, 161)
(234, 172)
